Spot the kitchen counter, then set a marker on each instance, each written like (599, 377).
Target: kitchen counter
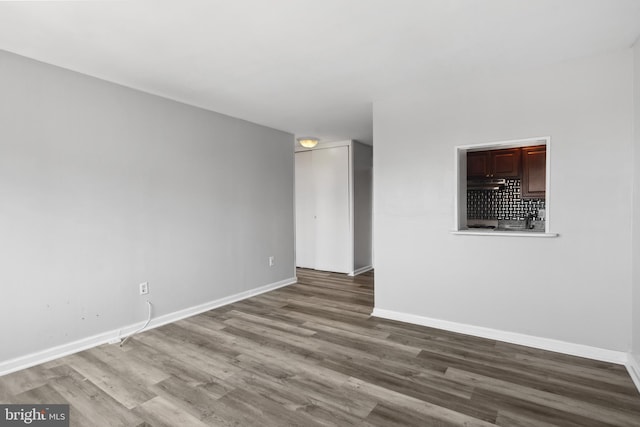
(513, 228)
(511, 225)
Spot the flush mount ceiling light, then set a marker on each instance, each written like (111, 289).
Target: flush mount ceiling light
(308, 142)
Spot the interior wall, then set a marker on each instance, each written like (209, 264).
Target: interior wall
(103, 187)
(362, 205)
(636, 207)
(574, 288)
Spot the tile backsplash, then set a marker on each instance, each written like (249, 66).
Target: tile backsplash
(504, 204)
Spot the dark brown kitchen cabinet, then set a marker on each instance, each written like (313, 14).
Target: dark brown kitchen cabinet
(478, 164)
(494, 164)
(534, 172)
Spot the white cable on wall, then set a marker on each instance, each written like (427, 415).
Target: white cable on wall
(141, 329)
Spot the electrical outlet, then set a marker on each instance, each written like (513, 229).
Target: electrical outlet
(144, 288)
(272, 261)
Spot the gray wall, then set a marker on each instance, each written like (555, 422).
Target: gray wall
(574, 288)
(636, 207)
(103, 187)
(362, 205)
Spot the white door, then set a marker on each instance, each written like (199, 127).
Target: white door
(323, 217)
(305, 210)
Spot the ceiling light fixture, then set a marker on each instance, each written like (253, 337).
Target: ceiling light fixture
(308, 142)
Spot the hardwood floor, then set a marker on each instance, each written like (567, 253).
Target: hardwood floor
(310, 355)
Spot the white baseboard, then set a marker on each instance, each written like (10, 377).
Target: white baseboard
(114, 336)
(633, 367)
(580, 350)
(361, 270)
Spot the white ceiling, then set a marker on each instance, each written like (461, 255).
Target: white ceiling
(309, 67)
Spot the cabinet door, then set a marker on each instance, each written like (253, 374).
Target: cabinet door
(333, 249)
(534, 172)
(478, 164)
(505, 163)
(305, 210)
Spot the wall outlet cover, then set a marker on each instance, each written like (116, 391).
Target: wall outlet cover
(144, 288)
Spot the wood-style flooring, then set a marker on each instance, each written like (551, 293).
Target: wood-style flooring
(310, 355)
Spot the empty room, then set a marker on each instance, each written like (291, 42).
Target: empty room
(320, 213)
